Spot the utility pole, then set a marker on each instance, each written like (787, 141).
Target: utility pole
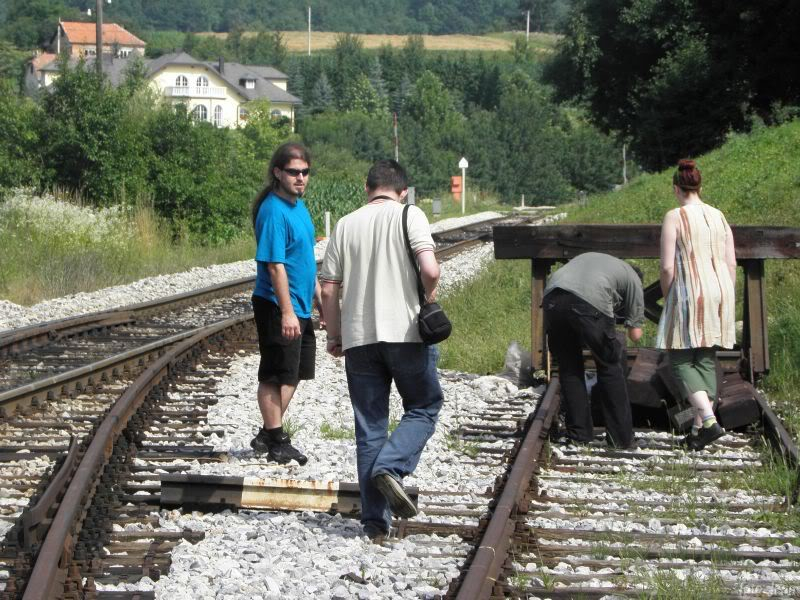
(528, 26)
(98, 59)
(624, 164)
(309, 30)
(396, 140)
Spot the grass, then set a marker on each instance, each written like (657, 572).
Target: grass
(456, 444)
(501, 296)
(476, 202)
(666, 585)
(291, 427)
(50, 248)
(330, 432)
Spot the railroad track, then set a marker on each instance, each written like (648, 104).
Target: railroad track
(61, 356)
(656, 521)
(552, 522)
(47, 423)
(559, 522)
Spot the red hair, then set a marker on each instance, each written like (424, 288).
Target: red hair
(687, 177)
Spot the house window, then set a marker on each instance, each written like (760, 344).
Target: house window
(124, 53)
(181, 81)
(275, 113)
(89, 51)
(200, 113)
(250, 84)
(242, 113)
(202, 81)
(218, 116)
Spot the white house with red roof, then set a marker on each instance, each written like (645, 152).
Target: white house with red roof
(79, 39)
(218, 92)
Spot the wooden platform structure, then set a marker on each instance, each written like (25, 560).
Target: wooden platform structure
(547, 245)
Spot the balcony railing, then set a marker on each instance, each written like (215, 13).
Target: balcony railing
(195, 91)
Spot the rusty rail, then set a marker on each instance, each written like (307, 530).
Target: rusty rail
(56, 550)
(488, 560)
(36, 335)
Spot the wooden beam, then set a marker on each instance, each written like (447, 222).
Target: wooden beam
(562, 242)
(539, 272)
(754, 336)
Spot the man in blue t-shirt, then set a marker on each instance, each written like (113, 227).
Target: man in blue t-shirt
(286, 286)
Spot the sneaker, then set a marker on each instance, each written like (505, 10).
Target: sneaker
(375, 533)
(260, 444)
(569, 441)
(401, 503)
(283, 452)
(703, 438)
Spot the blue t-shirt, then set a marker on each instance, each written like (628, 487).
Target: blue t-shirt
(285, 234)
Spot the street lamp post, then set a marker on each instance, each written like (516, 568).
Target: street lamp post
(463, 164)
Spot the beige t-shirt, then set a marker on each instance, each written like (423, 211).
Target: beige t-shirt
(367, 255)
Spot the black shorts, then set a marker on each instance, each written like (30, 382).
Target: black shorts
(283, 361)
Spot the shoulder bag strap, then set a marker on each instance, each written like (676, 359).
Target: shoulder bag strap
(420, 287)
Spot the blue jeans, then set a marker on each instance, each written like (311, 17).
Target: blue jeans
(370, 371)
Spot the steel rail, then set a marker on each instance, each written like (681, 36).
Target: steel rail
(56, 550)
(487, 563)
(41, 389)
(33, 335)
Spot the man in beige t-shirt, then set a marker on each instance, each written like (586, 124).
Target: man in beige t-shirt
(376, 330)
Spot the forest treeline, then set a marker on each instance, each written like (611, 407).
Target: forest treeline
(22, 21)
(125, 144)
(674, 77)
(667, 78)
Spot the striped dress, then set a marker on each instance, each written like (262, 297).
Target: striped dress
(699, 307)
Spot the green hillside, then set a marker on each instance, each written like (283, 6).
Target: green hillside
(755, 180)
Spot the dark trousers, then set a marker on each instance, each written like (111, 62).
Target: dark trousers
(571, 324)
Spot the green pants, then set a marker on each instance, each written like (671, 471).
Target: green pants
(696, 370)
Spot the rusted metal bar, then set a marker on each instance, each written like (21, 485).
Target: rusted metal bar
(37, 335)
(39, 390)
(56, 551)
(33, 518)
(270, 494)
(630, 241)
(777, 433)
(488, 560)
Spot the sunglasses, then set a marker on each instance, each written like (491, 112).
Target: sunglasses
(295, 172)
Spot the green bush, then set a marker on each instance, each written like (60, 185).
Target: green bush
(51, 248)
(339, 197)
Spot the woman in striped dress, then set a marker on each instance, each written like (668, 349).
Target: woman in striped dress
(698, 272)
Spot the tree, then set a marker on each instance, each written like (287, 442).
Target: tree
(360, 96)
(32, 23)
(92, 145)
(321, 96)
(265, 131)
(433, 133)
(376, 80)
(675, 76)
(349, 61)
(414, 56)
(20, 164)
(12, 63)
